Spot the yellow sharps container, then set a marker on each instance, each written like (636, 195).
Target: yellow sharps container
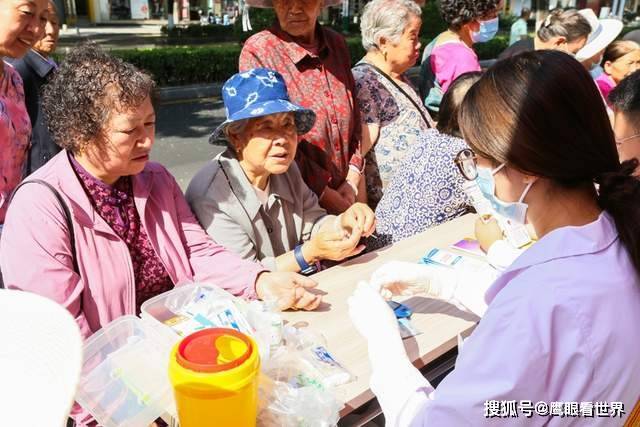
(214, 373)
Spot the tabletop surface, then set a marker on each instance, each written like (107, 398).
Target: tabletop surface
(440, 322)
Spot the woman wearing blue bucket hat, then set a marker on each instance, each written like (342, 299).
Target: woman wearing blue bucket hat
(252, 198)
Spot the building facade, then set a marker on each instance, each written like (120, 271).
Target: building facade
(602, 8)
(105, 11)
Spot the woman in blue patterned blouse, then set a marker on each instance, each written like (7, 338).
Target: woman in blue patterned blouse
(391, 111)
(426, 189)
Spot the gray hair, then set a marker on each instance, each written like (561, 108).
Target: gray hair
(234, 128)
(386, 18)
(569, 24)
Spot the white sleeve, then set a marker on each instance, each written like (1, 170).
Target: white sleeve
(465, 288)
(401, 389)
(501, 254)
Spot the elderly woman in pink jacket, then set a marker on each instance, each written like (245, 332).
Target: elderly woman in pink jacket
(100, 229)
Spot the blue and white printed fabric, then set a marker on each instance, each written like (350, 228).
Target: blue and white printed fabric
(256, 93)
(425, 191)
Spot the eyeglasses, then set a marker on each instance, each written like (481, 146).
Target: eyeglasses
(467, 162)
(626, 139)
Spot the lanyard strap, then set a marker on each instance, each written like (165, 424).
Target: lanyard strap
(427, 119)
(67, 216)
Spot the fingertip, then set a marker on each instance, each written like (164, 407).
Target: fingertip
(317, 302)
(309, 283)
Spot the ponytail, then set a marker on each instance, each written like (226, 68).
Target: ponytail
(619, 195)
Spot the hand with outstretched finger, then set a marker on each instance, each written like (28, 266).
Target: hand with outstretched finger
(287, 290)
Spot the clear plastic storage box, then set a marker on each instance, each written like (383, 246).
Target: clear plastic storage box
(190, 308)
(124, 379)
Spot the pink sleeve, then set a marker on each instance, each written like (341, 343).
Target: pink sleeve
(604, 84)
(451, 60)
(36, 251)
(211, 261)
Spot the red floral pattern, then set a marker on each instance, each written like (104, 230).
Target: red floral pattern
(15, 134)
(115, 204)
(320, 81)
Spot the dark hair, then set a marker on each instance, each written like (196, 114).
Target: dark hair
(457, 13)
(525, 13)
(570, 24)
(451, 101)
(626, 96)
(618, 49)
(90, 85)
(541, 113)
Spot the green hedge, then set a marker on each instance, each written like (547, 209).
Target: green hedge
(492, 48)
(202, 33)
(356, 51)
(176, 66)
(198, 34)
(432, 23)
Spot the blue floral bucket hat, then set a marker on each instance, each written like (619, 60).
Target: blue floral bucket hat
(256, 93)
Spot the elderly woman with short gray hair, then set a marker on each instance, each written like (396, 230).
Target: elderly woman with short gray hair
(392, 114)
(251, 198)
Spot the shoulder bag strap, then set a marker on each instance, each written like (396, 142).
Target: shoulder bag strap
(67, 214)
(427, 120)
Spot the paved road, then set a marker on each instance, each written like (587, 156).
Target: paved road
(182, 132)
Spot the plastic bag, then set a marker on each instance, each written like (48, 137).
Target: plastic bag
(206, 307)
(267, 325)
(292, 393)
(285, 406)
(313, 359)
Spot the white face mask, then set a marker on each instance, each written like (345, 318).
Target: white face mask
(488, 30)
(515, 211)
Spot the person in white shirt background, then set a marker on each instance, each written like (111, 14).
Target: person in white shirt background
(519, 29)
(558, 318)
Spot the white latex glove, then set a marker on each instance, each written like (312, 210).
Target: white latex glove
(375, 321)
(371, 314)
(409, 278)
(463, 288)
(393, 378)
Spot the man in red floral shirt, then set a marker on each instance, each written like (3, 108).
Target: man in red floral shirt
(315, 64)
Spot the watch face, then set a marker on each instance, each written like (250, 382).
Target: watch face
(310, 270)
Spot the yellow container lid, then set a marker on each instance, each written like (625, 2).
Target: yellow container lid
(214, 350)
